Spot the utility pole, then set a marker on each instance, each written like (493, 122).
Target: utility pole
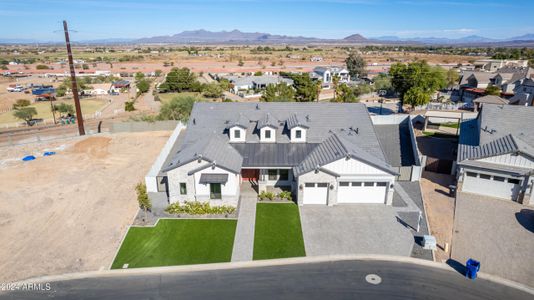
(79, 117)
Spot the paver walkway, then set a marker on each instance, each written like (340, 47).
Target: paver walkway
(244, 234)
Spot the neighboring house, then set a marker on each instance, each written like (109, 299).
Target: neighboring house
(117, 86)
(324, 153)
(492, 65)
(524, 93)
(246, 83)
(489, 99)
(325, 74)
(496, 153)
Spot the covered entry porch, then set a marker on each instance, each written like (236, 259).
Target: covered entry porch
(268, 179)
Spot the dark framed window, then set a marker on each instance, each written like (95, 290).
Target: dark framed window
(298, 134)
(513, 181)
(273, 174)
(284, 174)
(237, 134)
(498, 178)
(357, 183)
(215, 191)
(322, 185)
(471, 174)
(368, 184)
(343, 183)
(267, 134)
(381, 184)
(485, 176)
(309, 184)
(183, 188)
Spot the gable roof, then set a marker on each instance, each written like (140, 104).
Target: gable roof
(491, 99)
(336, 147)
(207, 135)
(296, 121)
(267, 121)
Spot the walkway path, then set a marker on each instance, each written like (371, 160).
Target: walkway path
(244, 234)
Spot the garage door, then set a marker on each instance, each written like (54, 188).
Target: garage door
(489, 185)
(315, 193)
(361, 192)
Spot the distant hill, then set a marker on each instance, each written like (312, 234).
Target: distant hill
(356, 38)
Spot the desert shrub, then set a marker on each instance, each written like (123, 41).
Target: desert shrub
(199, 208)
(129, 106)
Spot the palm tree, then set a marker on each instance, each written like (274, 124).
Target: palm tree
(319, 87)
(335, 83)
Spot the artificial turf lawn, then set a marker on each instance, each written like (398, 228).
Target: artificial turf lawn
(278, 233)
(177, 242)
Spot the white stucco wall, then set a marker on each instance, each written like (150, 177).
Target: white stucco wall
(294, 138)
(353, 167)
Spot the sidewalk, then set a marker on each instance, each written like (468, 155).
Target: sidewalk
(244, 234)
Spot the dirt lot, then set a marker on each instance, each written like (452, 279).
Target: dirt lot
(68, 212)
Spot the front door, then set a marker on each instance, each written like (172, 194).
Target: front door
(215, 191)
(250, 175)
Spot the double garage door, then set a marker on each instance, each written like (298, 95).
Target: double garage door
(348, 192)
(491, 185)
(361, 192)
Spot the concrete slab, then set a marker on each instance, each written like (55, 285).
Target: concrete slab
(354, 229)
(498, 233)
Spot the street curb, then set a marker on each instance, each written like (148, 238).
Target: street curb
(268, 263)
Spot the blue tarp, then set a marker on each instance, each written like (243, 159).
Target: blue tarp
(42, 91)
(28, 158)
(48, 153)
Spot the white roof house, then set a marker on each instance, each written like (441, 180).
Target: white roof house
(324, 153)
(325, 74)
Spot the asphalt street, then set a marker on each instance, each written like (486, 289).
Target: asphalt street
(324, 280)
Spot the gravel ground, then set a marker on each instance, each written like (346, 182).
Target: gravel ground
(69, 212)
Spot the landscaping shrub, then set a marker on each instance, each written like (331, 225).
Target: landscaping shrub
(199, 208)
(267, 196)
(129, 106)
(285, 195)
(142, 198)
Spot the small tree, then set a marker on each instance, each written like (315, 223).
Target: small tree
(26, 114)
(356, 65)
(212, 90)
(64, 108)
(335, 83)
(178, 108)
(143, 86)
(493, 90)
(129, 106)
(280, 92)
(21, 103)
(142, 198)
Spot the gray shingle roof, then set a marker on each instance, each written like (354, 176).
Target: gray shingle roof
(267, 121)
(296, 121)
(241, 121)
(397, 144)
(208, 137)
(503, 129)
(491, 99)
(335, 147)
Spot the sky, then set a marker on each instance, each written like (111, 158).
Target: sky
(101, 19)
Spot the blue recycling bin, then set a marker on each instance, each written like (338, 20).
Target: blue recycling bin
(472, 267)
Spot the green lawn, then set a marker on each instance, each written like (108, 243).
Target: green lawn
(177, 242)
(278, 233)
(450, 125)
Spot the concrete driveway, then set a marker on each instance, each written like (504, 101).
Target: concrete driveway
(498, 233)
(353, 229)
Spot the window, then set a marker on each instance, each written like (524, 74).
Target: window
(322, 185)
(381, 184)
(237, 134)
(513, 181)
(484, 176)
(273, 174)
(267, 134)
(344, 184)
(498, 178)
(471, 174)
(284, 175)
(309, 184)
(368, 184)
(298, 134)
(183, 188)
(215, 191)
(357, 183)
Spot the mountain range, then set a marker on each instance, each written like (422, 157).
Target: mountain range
(202, 36)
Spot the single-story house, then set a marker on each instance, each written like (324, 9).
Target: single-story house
(496, 153)
(324, 153)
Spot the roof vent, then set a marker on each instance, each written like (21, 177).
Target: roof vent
(308, 119)
(257, 106)
(194, 121)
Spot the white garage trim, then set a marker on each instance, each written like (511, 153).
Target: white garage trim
(362, 191)
(491, 185)
(315, 193)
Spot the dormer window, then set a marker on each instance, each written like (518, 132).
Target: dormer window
(267, 133)
(237, 133)
(298, 126)
(298, 134)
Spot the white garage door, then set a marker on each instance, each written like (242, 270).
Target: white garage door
(494, 186)
(315, 193)
(361, 192)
